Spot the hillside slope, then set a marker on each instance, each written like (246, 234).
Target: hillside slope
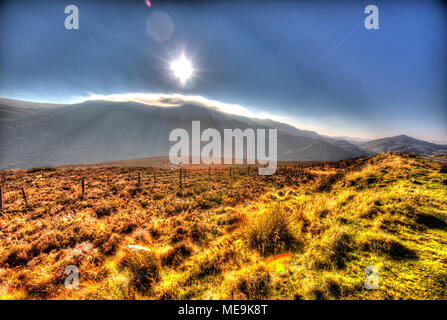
(97, 131)
(215, 238)
(403, 143)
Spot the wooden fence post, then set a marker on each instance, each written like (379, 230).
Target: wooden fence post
(24, 196)
(1, 199)
(83, 188)
(180, 177)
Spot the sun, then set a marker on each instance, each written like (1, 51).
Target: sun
(182, 69)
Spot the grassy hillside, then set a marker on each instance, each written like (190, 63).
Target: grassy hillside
(213, 237)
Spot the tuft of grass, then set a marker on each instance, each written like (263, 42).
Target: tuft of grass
(178, 253)
(332, 286)
(15, 257)
(272, 232)
(104, 210)
(253, 285)
(215, 263)
(178, 234)
(144, 268)
(40, 285)
(326, 183)
(332, 251)
(390, 247)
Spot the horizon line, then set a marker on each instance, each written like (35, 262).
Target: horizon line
(166, 100)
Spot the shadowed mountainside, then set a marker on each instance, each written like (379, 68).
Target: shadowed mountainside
(37, 135)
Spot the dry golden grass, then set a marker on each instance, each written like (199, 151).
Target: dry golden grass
(211, 237)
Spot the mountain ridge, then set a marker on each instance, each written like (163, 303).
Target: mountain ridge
(403, 143)
(101, 130)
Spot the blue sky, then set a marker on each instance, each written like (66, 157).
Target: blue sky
(310, 62)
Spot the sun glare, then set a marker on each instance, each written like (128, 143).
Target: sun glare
(182, 69)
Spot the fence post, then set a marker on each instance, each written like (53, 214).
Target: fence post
(83, 188)
(180, 177)
(24, 196)
(1, 199)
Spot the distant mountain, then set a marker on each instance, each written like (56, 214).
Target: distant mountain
(356, 141)
(36, 135)
(296, 148)
(403, 143)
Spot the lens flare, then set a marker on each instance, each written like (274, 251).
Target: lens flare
(277, 263)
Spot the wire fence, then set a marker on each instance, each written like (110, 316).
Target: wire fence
(105, 180)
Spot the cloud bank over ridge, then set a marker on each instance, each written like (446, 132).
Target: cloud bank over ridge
(176, 100)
